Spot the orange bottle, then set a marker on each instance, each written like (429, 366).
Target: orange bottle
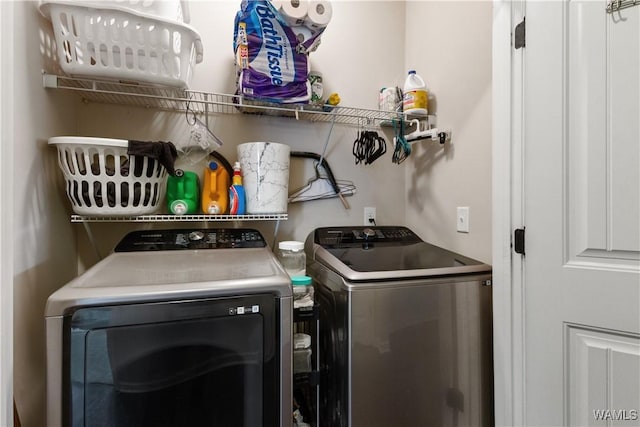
(215, 190)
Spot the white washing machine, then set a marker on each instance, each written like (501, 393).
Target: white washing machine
(175, 327)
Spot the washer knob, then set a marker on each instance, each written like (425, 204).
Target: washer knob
(196, 235)
(368, 233)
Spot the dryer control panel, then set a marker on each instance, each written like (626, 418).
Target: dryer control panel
(169, 240)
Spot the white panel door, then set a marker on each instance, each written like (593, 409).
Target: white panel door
(581, 286)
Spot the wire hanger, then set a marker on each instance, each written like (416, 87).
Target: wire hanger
(321, 186)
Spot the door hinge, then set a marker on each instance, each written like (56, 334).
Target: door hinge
(518, 241)
(519, 35)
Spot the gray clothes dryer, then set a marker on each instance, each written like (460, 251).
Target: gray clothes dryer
(405, 330)
(175, 327)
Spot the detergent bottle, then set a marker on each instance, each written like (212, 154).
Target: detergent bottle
(183, 192)
(215, 190)
(415, 99)
(236, 192)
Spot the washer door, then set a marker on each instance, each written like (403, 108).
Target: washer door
(195, 363)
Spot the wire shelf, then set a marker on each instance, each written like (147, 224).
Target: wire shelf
(180, 218)
(174, 99)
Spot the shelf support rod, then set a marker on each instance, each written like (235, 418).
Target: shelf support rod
(92, 240)
(206, 109)
(275, 235)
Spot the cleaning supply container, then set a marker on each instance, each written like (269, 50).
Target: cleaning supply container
(183, 192)
(415, 99)
(215, 189)
(302, 292)
(103, 180)
(390, 99)
(301, 353)
(265, 174)
(236, 192)
(315, 80)
(292, 257)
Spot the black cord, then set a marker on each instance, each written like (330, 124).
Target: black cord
(189, 111)
(322, 162)
(223, 160)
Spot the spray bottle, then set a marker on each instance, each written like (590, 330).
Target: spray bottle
(236, 192)
(215, 196)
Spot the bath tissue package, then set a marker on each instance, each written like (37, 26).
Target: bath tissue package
(272, 40)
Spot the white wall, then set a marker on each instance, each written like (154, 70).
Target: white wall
(43, 248)
(450, 47)
(449, 44)
(348, 68)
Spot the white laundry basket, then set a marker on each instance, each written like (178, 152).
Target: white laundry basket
(118, 44)
(177, 10)
(103, 180)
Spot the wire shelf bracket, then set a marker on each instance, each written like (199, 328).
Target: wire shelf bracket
(617, 5)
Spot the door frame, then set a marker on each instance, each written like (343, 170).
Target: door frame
(508, 214)
(6, 210)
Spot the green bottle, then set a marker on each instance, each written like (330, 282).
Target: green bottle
(183, 192)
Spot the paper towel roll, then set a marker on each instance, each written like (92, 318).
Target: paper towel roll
(302, 33)
(294, 11)
(318, 14)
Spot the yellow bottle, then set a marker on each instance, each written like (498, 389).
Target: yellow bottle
(215, 191)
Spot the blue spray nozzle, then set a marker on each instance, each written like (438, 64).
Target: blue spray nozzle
(213, 166)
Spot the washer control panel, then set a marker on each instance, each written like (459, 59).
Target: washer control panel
(336, 236)
(169, 240)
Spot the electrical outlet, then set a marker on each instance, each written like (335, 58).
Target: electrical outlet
(370, 216)
(462, 220)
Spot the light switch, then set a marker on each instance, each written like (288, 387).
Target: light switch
(462, 219)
